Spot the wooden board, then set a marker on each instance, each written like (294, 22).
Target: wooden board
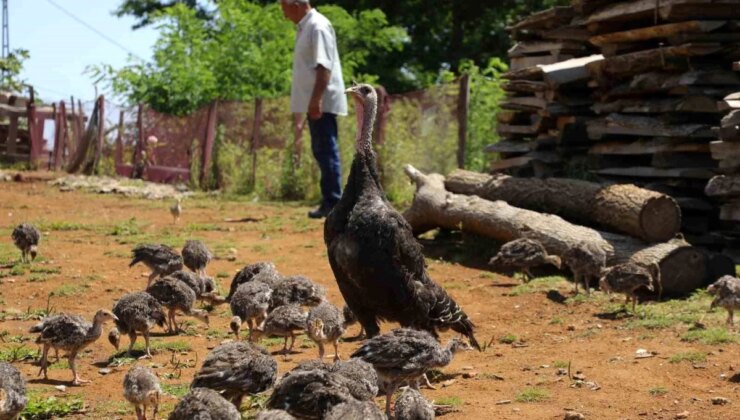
(631, 125)
(650, 172)
(524, 48)
(649, 60)
(549, 18)
(656, 32)
(647, 147)
(695, 104)
(505, 146)
(671, 10)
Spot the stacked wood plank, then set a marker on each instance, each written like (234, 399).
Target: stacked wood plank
(654, 81)
(546, 90)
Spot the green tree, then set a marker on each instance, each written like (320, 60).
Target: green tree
(13, 65)
(243, 53)
(145, 11)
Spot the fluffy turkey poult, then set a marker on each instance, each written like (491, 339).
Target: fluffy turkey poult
(284, 321)
(355, 410)
(203, 286)
(309, 394)
(161, 259)
(196, 256)
(523, 253)
(137, 313)
(628, 277)
(325, 324)
(726, 292)
(586, 260)
(404, 355)
(263, 271)
(141, 388)
(26, 238)
(250, 303)
(411, 405)
(176, 295)
(377, 262)
(274, 415)
(204, 404)
(237, 369)
(297, 290)
(12, 392)
(70, 333)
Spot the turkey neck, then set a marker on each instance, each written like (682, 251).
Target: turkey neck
(365, 137)
(97, 328)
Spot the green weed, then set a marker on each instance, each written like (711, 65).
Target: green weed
(176, 390)
(52, 407)
(17, 353)
(693, 357)
(658, 391)
(530, 395)
(508, 339)
(710, 336)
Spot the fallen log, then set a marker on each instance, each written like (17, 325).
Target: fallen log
(684, 268)
(645, 214)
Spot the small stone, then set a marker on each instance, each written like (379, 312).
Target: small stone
(643, 354)
(579, 377)
(571, 328)
(544, 366)
(516, 410)
(573, 415)
(503, 402)
(61, 388)
(470, 375)
(105, 371)
(599, 326)
(720, 401)
(468, 367)
(447, 383)
(682, 415)
(562, 372)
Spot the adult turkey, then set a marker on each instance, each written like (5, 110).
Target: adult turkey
(376, 260)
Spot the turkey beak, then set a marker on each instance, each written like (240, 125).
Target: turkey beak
(115, 318)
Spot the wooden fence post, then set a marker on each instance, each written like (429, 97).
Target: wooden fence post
(119, 139)
(60, 128)
(101, 133)
(256, 127)
(463, 102)
(139, 148)
(209, 140)
(33, 131)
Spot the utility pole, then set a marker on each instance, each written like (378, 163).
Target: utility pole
(6, 40)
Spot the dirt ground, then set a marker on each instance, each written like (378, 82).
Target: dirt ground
(535, 329)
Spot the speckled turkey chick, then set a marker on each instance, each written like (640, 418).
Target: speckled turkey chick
(263, 271)
(628, 277)
(411, 405)
(196, 256)
(325, 324)
(141, 388)
(26, 237)
(161, 259)
(12, 392)
(137, 313)
(309, 394)
(70, 333)
(297, 290)
(355, 410)
(204, 404)
(250, 303)
(284, 321)
(726, 292)
(203, 286)
(237, 369)
(523, 253)
(176, 295)
(585, 260)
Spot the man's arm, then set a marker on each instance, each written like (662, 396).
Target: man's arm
(322, 81)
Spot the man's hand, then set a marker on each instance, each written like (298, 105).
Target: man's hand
(314, 109)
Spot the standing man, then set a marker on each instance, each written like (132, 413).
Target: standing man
(318, 90)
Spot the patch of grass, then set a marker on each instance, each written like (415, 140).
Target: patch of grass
(693, 357)
(17, 353)
(129, 227)
(540, 284)
(560, 364)
(37, 278)
(260, 249)
(63, 226)
(272, 341)
(61, 364)
(254, 404)
(176, 390)
(122, 360)
(46, 270)
(6, 337)
(117, 254)
(662, 315)
(530, 395)
(577, 299)
(52, 407)
(556, 321)
(17, 270)
(452, 400)
(710, 336)
(176, 346)
(307, 343)
(205, 227)
(223, 275)
(68, 290)
(508, 339)
(658, 391)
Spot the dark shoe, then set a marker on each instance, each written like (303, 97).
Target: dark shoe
(321, 212)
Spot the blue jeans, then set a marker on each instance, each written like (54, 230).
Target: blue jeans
(325, 147)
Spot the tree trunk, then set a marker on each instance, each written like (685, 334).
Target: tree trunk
(641, 213)
(683, 267)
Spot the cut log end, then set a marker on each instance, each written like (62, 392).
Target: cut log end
(660, 219)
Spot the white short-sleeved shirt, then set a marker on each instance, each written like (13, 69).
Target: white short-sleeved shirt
(316, 44)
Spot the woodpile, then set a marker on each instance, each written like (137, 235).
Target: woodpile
(684, 268)
(642, 101)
